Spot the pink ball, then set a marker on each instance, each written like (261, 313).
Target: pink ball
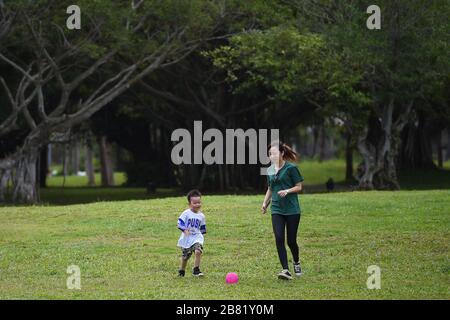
(231, 278)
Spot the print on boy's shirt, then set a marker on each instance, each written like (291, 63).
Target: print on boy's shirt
(194, 223)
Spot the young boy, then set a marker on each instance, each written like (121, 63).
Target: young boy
(192, 224)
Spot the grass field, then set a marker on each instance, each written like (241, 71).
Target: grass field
(127, 249)
(80, 181)
(319, 172)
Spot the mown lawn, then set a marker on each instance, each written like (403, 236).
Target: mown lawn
(82, 181)
(317, 173)
(127, 249)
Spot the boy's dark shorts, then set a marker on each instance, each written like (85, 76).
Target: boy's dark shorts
(187, 252)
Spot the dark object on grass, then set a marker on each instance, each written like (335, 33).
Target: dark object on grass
(330, 185)
(151, 187)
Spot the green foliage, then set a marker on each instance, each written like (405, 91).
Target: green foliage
(294, 65)
(406, 58)
(279, 59)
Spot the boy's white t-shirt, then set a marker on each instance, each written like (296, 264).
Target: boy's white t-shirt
(195, 223)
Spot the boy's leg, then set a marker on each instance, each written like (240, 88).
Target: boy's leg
(198, 255)
(183, 264)
(185, 255)
(198, 250)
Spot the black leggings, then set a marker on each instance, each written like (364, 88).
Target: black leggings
(290, 223)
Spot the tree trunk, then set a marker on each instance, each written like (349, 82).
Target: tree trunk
(232, 175)
(227, 176)
(241, 174)
(107, 173)
(24, 179)
(390, 167)
(439, 150)
(66, 160)
(416, 151)
(379, 146)
(89, 164)
(43, 167)
(447, 156)
(202, 177)
(315, 140)
(75, 157)
(322, 141)
(221, 179)
(368, 167)
(348, 158)
(5, 176)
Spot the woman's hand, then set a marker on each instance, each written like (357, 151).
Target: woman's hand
(266, 201)
(264, 208)
(283, 193)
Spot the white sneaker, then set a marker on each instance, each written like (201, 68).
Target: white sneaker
(285, 275)
(297, 269)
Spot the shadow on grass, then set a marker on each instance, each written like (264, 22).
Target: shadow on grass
(81, 195)
(416, 179)
(424, 179)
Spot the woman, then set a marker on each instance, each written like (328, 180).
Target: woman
(284, 182)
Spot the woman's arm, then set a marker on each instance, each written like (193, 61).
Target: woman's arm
(266, 201)
(295, 189)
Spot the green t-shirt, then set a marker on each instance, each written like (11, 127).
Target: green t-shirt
(287, 177)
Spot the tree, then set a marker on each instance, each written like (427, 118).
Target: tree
(401, 63)
(177, 96)
(297, 69)
(122, 44)
(106, 170)
(89, 155)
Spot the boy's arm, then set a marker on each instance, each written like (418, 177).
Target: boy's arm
(182, 225)
(203, 226)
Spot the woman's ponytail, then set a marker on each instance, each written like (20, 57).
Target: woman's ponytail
(288, 153)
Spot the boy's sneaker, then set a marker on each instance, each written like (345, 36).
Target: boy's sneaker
(297, 269)
(181, 273)
(285, 275)
(197, 273)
